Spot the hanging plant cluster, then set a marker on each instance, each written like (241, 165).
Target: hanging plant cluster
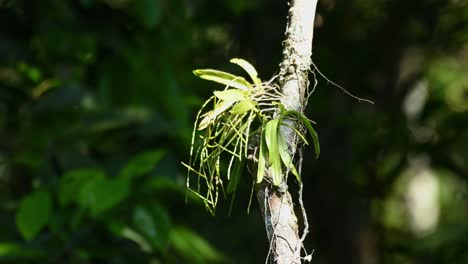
(238, 123)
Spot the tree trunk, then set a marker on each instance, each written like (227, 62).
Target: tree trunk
(276, 204)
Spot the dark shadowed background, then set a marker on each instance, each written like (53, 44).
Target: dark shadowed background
(97, 102)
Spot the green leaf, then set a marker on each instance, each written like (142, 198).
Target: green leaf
(261, 160)
(274, 160)
(242, 107)
(33, 213)
(142, 164)
(235, 176)
(100, 193)
(193, 247)
(154, 224)
(248, 68)
(309, 127)
(231, 95)
(313, 134)
(121, 229)
(13, 251)
(285, 157)
(223, 78)
(211, 116)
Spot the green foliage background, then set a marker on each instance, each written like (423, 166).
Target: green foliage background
(97, 100)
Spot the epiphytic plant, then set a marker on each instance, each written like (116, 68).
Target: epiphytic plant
(243, 123)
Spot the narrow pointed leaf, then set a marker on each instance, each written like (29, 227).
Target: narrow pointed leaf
(235, 176)
(211, 116)
(261, 161)
(223, 78)
(309, 127)
(314, 136)
(285, 157)
(248, 68)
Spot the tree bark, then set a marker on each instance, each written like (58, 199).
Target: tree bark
(276, 203)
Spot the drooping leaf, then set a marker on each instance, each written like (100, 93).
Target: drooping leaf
(223, 78)
(285, 157)
(33, 213)
(248, 68)
(242, 107)
(235, 176)
(313, 134)
(308, 125)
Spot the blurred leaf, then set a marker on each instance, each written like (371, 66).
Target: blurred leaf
(193, 247)
(154, 224)
(32, 72)
(33, 213)
(100, 194)
(122, 230)
(73, 181)
(16, 251)
(446, 235)
(142, 164)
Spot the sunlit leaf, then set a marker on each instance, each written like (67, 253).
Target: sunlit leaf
(231, 95)
(262, 156)
(242, 107)
(33, 213)
(248, 68)
(223, 78)
(274, 160)
(211, 116)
